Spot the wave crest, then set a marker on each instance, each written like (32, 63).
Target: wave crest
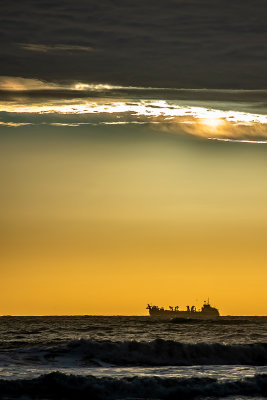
(57, 385)
(161, 352)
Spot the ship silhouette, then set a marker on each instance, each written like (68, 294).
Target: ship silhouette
(206, 312)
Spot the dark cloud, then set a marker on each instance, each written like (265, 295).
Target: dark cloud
(175, 43)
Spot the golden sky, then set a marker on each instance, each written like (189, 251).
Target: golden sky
(103, 210)
(104, 223)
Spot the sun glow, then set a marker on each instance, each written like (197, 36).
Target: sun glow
(213, 123)
(111, 108)
(168, 115)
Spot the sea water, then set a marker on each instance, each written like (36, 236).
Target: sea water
(82, 357)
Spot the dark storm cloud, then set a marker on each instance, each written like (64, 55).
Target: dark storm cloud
(175, 43)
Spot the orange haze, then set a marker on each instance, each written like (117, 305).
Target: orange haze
(105, 225)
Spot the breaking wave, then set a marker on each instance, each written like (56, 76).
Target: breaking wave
(60, 386)
(158, 353)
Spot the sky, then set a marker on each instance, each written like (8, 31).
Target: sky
(178, 43)
(132, 156)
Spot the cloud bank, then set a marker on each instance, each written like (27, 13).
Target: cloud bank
(209, 114)
(177, 43)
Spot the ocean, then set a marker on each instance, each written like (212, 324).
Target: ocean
(117, 357)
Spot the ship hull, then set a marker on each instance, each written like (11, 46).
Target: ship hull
(168, 314)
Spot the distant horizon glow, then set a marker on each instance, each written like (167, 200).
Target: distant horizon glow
(114, 104)
(198, 121)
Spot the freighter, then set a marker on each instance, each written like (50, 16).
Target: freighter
(206, 312)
